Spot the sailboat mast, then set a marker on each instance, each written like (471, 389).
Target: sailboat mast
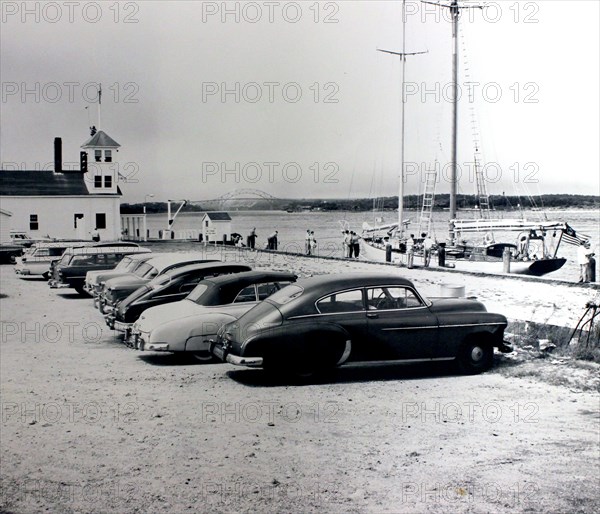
(453, 174)
(401, 181)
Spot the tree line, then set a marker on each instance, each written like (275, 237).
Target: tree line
(442, 202)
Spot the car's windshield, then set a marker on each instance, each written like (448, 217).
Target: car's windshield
(287, 294)
(159, 281)
(66, 257)
(126, 264)
(197, 292)
(144, 269)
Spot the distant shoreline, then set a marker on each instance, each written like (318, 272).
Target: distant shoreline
(411, 203)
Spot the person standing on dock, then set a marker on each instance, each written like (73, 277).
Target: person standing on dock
(354, 245)
(272, 241)
(584, 253)
(252, 238)
(427, 248)
(312, 243)
(410, 251)
(346, 243)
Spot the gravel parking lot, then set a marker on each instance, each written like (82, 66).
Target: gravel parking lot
(89, 425)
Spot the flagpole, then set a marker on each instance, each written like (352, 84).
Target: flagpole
(99, 106)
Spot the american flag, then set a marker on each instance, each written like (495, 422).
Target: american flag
(572, 238)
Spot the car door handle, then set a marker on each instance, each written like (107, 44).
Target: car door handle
(372, 315)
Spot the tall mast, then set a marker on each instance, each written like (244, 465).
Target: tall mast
(453, 174)
(454, 12)
(402, 56)
(401, 181)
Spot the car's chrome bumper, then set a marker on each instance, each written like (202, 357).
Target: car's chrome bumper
(55, 284)
(115, 324)
(251, 362)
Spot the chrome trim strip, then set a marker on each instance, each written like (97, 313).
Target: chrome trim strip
(327, 314)
(409, 328)
(473, 324)
(395, 361)
(346, 353)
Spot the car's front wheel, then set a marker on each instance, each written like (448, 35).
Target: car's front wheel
(475, 357)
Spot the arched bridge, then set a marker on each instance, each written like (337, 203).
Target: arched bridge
(241, 198)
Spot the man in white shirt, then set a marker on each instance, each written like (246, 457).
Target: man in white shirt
(427, 247)
(410, 251)
(583, 259)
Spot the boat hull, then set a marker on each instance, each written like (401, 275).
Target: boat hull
(536, 268)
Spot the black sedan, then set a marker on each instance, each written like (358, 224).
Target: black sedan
(325, 321)
(172, 286)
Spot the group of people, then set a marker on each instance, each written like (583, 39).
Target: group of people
(351, 244)
(272, 241)
(587, 263)
(310, 243)
(428, 245)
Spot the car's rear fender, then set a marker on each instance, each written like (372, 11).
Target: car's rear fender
(324, 342)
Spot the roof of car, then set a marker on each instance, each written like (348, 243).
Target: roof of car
(350, 280)
(92, 250)
(165, 260)
(204, 266)
(251, 277)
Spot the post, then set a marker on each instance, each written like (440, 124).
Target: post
(145, 225)
(442, 255)
(506, 260)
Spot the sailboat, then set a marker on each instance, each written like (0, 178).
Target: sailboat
(372, 240)
(536, 247)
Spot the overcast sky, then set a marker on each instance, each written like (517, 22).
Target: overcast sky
(293, 99)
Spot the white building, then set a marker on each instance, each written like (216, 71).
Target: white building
(67, 204)
(216, 226)
(5, 226)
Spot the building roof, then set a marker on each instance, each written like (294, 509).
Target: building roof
(218, 216)
(42, 183)
(100, 140)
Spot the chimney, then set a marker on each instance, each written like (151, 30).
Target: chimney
(58, 155)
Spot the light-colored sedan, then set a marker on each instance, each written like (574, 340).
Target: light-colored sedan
(188, 325)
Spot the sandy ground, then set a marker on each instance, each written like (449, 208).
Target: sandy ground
(91, 426)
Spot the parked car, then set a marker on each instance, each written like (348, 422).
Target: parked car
(118, 288)
(71, 269)
(37, 259)
(172, 286)
(188, 325)
(129, 263)
(322, 322)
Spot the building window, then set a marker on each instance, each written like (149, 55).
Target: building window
(100, 220)
(98, 155)
(97, 180)
(107, 181)
(76, 217)
(33, 222)
(107, 155)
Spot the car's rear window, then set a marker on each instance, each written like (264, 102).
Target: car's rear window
(287, 294)
(197, 292)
